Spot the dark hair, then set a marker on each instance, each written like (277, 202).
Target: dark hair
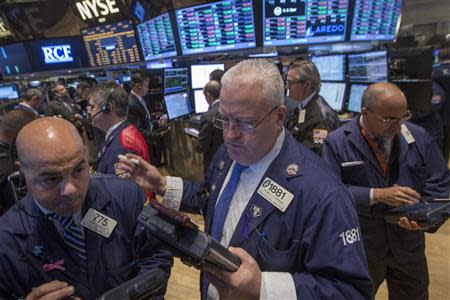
(216, 75)
(12, 122)
(139, 77)
(213, 88)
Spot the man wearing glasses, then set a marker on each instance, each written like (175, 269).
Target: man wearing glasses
(292, 224)
(386, 162)
(313, 117)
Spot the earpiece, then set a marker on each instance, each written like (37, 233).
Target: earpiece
(106, 109)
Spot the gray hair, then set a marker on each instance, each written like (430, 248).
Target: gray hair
(307, 70)
(257, 70)
(112, 94)
(30, 93)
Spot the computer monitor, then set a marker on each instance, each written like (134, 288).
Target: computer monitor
(333, 93)
(159, 64)
(58, 54)
(355, 97)
(368, 67)
(156, 38)
(331, 67)
(111, 44)
(418, 95)
(201, 105)
(217, 26)
(177, 105)
(376, 20)
(200, 74)
(14, 60)
(9, 92)
(175, 80)
(304, 22)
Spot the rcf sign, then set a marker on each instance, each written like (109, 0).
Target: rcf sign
(57, 54)
(90, 9)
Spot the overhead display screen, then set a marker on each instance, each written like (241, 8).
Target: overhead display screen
(290, 22)
(14, 59)
(175, 80)
(59, 53)
(375, 20)
(200, 74)
(355, 97)
(111, 44)
(9, 92)
(331, 67)
(217, 26)
(156, 38)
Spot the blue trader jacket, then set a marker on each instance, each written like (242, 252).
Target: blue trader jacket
(28, 241)
(316, 239)
(418, 165)
(123, 139)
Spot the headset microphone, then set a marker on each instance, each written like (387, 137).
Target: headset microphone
(106, 109)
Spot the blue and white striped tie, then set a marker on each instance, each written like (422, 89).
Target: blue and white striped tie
(73, 237)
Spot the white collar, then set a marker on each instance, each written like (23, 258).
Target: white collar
(29, 106)
(215, 101)
(111, 129)
(305, 101)
(261, 166)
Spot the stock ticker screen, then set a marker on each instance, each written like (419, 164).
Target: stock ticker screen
(217, 26)
(156, 38)
(111, 44)
(290, 22)
(368, 67)
(14, 59)
(375, 20)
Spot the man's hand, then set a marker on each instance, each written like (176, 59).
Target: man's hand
(52, 290)
(405, 223)
(396, 196)
(245, 283)
(141, 172)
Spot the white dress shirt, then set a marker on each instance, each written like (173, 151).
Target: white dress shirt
(274, 285)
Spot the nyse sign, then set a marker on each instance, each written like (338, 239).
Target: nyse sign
(89, 9)
(57, 54)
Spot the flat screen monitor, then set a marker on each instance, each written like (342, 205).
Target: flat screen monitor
(200, 74)
(175, 80)
(355, 97)
(201, 105)
(158, 64)
(9, 92)
(375, 20)
(368, 67)
(333, 93)
(217, 26)
(331, 67)
(58, 53)
(304, 22)
(177, 105)
(14, 59)
(111, 44)
(418, 95)
(156, 38)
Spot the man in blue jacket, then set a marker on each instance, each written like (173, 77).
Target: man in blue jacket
(293, 225)
(386, 162)
(72, 235)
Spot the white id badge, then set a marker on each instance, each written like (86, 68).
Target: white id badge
(301, 116)
(98, 222)
(275, 194)
(407, 134)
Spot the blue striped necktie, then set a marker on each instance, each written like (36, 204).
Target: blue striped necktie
(221, 210)
(73, 237)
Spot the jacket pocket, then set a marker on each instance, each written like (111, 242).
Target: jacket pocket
(275, 260)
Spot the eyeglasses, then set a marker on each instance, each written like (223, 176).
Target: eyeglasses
(392, 121)
(241, 127)
(292, 82)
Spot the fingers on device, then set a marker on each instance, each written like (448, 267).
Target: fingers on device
(192, 246)
(141, 287)
(427, 212)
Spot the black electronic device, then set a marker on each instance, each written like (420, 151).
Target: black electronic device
(418, 95)
(143, 286)
(14, 59)
(304, 22)
(177, 105)
(368, 66)
(193, 247)
(376, 20)
(331, 67)
(427, 212)
(410, 63)
(216, 26)
(156, 38)
(111, 44)
(175, 80)
(58, 53)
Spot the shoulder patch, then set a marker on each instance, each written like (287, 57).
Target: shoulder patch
(132, 139)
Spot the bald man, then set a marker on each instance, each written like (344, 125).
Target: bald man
(387, 162)
(72, 235)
